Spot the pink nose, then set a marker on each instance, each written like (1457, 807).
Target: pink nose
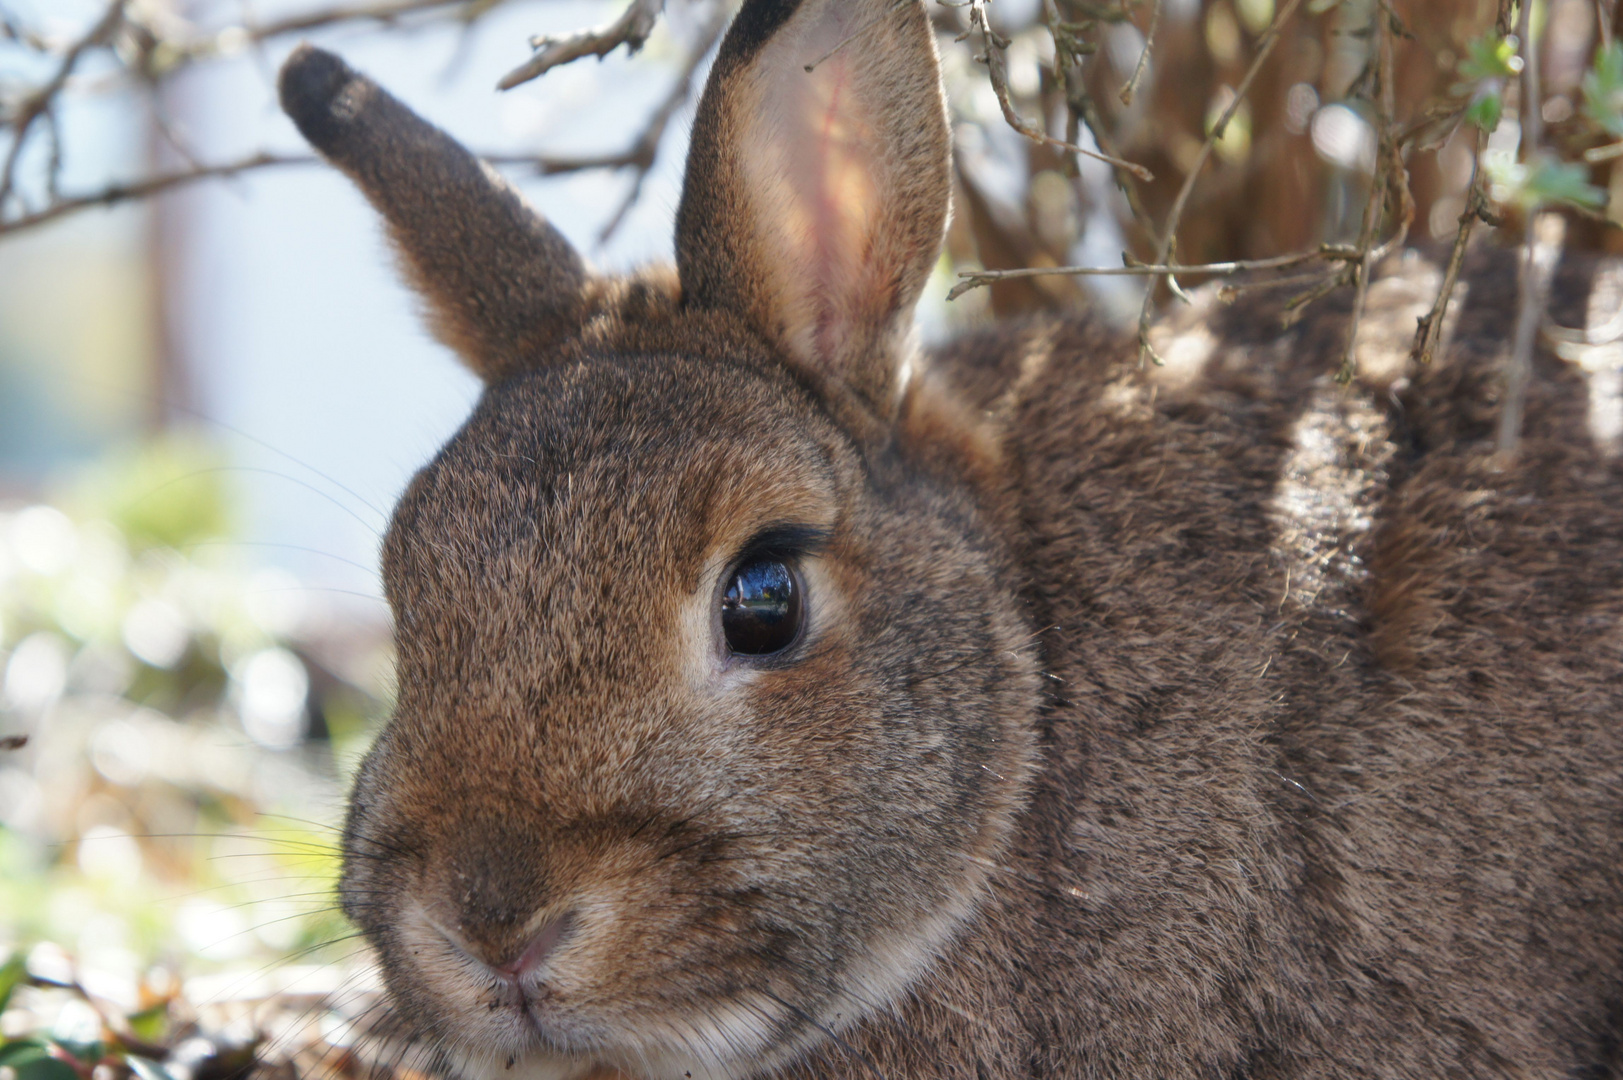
(536, 952)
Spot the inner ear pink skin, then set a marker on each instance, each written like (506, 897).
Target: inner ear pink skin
(815, 175)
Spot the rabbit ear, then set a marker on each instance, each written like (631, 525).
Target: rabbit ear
(502, 285)
(816, 200)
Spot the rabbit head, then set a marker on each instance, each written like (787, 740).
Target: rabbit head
(716, 703)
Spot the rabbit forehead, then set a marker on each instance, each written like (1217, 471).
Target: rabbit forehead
(571, 490)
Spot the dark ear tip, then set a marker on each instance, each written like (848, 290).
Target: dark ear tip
(310, 86)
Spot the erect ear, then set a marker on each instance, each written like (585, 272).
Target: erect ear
(816, 200)
(502, 286)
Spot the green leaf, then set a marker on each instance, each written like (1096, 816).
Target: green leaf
(1489, 62)
(12, 973)
(46, 1068)
(152, 1023)
(1553, 181)
(1541, 182)
(87, 1052)
(1603, 89)
(1490, 57)
(18, 1051)
(1486, 110)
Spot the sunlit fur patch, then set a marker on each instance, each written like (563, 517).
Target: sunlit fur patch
(1325, 499)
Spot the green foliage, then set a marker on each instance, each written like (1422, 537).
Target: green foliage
(32, 1059)
(1544, 181)
(167, 493)
(147, 623)
(1603, 90)
(1489, 61)
(12, 973)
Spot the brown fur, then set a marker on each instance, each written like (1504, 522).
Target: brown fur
(1200, 721)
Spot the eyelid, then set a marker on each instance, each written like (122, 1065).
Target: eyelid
(784, 542)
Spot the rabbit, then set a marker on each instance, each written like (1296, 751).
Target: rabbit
(778, 698)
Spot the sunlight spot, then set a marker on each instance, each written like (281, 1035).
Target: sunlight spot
(272, 686)
(1343, 138)
(1322, 501)
(213, 931)
(121, 752)
(336, 1030)
(1184, 357)
(1301, 102)
(44, 540)
(78, 1022)
(1392, 310)
(110, 855)
(1599, 354)
(49, 961)
(275, 601)
(37, 673)
(22, 801)
(156, 634)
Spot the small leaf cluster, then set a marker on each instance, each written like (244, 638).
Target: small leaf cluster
(1603, 90)
(1490, 61)
(149, 1046)
(1543, 178)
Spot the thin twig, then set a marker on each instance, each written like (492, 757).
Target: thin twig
(380, 11)
(117, 193)
(1230, 291)
(645, 151)
(1375, 207)
(1130, 87)
(1164, 250)
(997, 67)
(973, 279)
(39, 102)
(1083, 107)
(1429, 333)
(631, 29)
(1520, 372)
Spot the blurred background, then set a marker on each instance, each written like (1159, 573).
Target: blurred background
(213, 387)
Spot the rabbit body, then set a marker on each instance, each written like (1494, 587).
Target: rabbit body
(1206, 720)
(1330, 767)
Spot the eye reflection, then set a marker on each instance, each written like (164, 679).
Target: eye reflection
(761, 609)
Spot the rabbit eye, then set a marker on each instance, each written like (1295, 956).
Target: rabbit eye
(762, 607)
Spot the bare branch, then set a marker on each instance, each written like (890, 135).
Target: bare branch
(1538, 255)
(117, 193)
(377, 11)
(1429, 332)
(645, 151)
(998, 69)
(974, 279)
(1387, 159)
(1084, 109)
(1163, 254)
(40, 101)
(631, 29)
(1130, 87)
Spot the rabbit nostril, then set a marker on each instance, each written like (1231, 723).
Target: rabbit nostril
(539, 948)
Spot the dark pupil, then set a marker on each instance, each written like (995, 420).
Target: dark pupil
(760, 612)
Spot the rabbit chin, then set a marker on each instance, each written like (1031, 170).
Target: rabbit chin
(730, 1040)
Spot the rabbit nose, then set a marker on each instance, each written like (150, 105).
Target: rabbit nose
(535, 953)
